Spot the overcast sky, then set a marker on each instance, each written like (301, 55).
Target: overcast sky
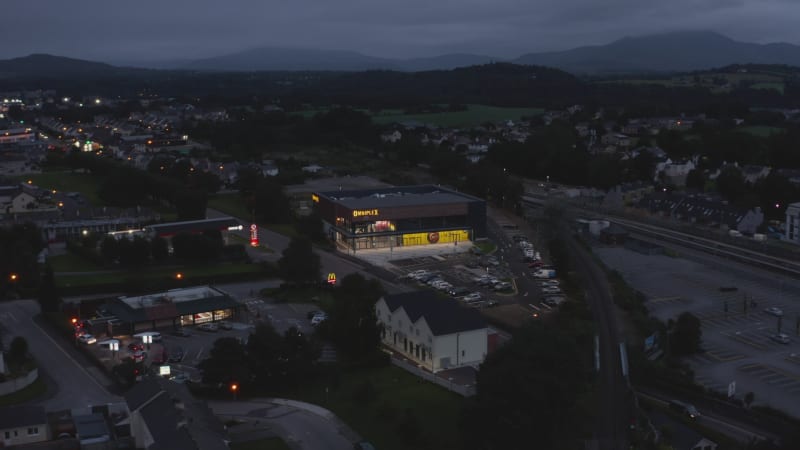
(148, 30)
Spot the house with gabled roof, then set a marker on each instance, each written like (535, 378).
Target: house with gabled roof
(437, 333)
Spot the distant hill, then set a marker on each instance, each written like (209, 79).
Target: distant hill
(669, 52)
(47, 66)
(274, 59)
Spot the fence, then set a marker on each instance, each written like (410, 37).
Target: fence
(464, 390)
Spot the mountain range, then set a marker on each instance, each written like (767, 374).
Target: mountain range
(668, 52)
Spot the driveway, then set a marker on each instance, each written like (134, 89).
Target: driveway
(70, 384)
(301, 425)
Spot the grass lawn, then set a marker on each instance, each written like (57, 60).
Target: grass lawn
(84, 183)
(261, 444)
(485, 247)
(300, 295)
(155, 274)
(778, 86)
(34, 390)
(395, 395)
(474, 115)
(231, 204)
(70, 262)
(761, 130)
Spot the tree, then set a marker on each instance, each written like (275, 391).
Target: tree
(695, 180)
(18, 350)
(109, 248)
(530, 389)
(299, 264)
(749, 398)
(190, 204)
(49, 299)
(731, 184)
(270, 202)
(352, 325)
(280, 361)
(227, 362)
(559, 254)
(159, 248)
(686, 335)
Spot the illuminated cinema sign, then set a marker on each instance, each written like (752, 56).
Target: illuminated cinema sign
(365, 212)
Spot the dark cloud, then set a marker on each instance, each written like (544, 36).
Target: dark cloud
(172, 29)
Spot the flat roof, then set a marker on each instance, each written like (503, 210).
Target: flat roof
(172, 296)
(192, 225)
(336, 183)
(398, 196)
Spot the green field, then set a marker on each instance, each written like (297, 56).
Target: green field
(778, 86)
(112, 277)
(70, 262)
(231, 204)
(474, 115)
(761, 130)
(396, 394)
(67, 182)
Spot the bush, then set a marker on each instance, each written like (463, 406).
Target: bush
(364, 393)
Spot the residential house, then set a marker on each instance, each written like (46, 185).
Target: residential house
(165, 416)
(673, 173)
(792, 233)
(435, 333)
(703, 210)
(627, 194)
(793, 175)
(392, 137)
(23, 424)
(269, 169)
(753, 173)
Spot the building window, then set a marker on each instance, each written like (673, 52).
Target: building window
(33, 430)
(8, 435)
(462, 353)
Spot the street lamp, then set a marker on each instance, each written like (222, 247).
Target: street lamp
(13, 277)
(234, 389)
(179, 276)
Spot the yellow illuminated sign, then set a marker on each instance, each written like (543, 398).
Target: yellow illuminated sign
(441, 237)
(365, 212)
(315, 198)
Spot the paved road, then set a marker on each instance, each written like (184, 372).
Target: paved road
(73, 385)
(615, 402)
(302, 426)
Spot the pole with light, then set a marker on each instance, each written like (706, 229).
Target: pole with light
(234, 389)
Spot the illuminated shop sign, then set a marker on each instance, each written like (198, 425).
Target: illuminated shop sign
(315, 198)
(441, 237)
(365, 212)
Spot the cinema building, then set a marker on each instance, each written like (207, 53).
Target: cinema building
(400, 216)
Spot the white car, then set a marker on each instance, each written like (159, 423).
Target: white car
(774, 311)
(318, 319)
(549, 282)
(551, 290)
(473, 297)
(417, 274)
(87, 339)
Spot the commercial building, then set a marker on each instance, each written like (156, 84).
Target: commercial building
(167, 310)
(400, 216)
(793, 223)
(434, 332)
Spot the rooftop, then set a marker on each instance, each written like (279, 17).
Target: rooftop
(172, 296)
(443, 316)
(398, 196)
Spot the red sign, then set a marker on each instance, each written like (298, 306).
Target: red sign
(253, 235)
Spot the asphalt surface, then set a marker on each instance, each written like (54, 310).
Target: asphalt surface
(71, 384)
(302, 426)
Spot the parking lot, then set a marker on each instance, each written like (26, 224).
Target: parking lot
(738, 334)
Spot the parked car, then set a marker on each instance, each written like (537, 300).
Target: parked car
(553, 301)
(176, 354)
(180, 378)
(181, 332)
(550, 282)
(313, 313)
(502, 286)
(781, 338)
(458, 291)
(318, 319)
(492, 303)
(87, 339)
(208, 326)
(544, 274)
(473, 297)
(135, 347)
(551, 290)
(772, 310)
(225, 325)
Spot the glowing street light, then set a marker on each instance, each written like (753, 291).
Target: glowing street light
(178, 276)
(234, 388)
(13, 277)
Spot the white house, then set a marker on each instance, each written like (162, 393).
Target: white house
(392, 137)
(23, 424)
(436, 333)
(793, 223)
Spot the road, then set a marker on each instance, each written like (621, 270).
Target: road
(302, 426)
(615, 406)
(70, 384)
